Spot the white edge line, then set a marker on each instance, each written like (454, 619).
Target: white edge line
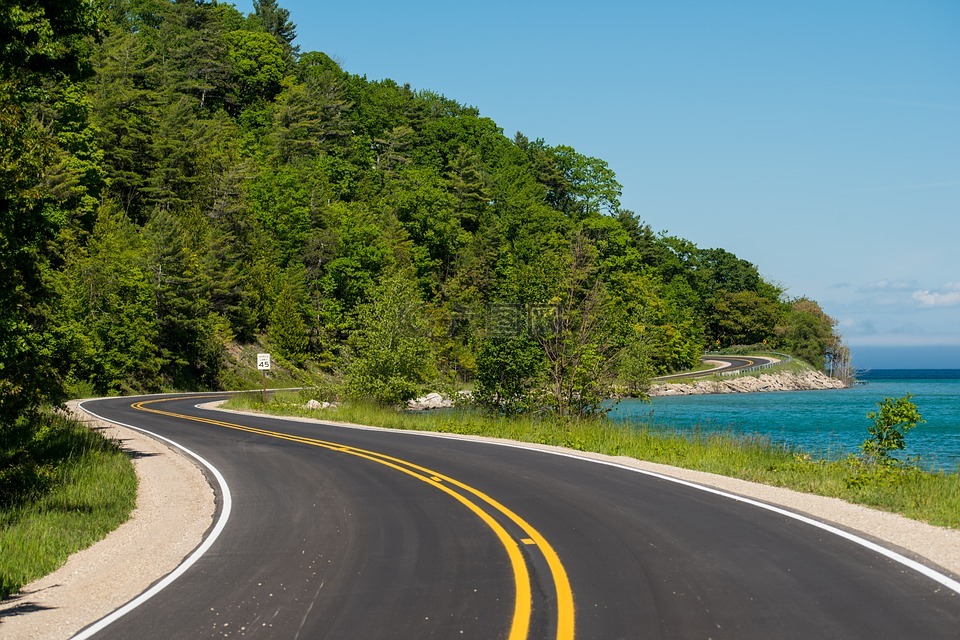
(923, 569)
(191, 559)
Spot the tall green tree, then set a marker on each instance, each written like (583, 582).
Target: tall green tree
(578, 337)
(107, 308)
(807, 332)
(189, 338)
(576, 184)
(741, 318)
(125, 106)
(390, 352)
(258, 64)
(275, 20)
(288, 328)
(43, 50)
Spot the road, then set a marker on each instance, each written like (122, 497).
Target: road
(352, 533)
(727, 364)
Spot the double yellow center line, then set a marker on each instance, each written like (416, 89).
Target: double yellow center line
(464, 494)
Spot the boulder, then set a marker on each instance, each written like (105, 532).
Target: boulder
(428, 402)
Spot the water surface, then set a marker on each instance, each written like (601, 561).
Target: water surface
(830, 424)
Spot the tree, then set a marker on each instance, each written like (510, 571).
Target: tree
(390, 353)
(275, 20)
(259, 65)
(718, 269)
(576, 184)
(43, 51)
(284, 199)
(892, 420)
(359, 254)
(807, 332)
(125, 107)
(428, 214)
(307, 121)
(741, 318)
(578, 337)
(288, 330)
(187, 338)
(107, 308)
(469, 182)
(202, 67)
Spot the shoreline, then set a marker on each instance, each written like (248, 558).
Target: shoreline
(765, 382)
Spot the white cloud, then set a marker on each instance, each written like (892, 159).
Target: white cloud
(948, 296)
(888, 285)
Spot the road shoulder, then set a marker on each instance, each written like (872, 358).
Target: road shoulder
(175, 507)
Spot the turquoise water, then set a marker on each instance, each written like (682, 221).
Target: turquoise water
(829, 424)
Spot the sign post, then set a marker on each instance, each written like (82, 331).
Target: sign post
(263, 364)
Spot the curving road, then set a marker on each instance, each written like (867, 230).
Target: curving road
(334, 532)
(725, 364)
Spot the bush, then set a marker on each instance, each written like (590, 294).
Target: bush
(509, 372)
(893, 419)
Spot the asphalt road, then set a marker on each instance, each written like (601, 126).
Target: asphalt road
(348, 533)
(730, 364)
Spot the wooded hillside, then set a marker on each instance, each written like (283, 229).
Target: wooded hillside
(178, 178)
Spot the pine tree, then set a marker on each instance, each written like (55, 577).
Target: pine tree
(288, 330)
(275, 20)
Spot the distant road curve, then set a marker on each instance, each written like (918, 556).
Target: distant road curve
(724, 364)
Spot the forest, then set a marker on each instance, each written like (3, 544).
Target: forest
(179, 181)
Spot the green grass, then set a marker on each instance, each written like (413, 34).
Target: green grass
(921, 495)
(62, 489)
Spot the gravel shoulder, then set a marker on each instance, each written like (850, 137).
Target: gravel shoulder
(175, 507)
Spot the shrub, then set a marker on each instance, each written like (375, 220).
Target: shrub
(893, 419)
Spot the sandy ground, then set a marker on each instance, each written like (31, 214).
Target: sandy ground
(175, 506)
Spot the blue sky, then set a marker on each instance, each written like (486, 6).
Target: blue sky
(819, 140)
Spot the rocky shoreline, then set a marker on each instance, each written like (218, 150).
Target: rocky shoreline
(787, 381)
(804, 381)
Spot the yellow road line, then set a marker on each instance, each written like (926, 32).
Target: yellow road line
(523, 606)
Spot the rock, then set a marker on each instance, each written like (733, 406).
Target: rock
(805, 381)
(314, 404)
(428, 402)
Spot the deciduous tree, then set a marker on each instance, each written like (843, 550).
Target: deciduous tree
(390, 354)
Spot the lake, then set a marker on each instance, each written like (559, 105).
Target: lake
(828, 424)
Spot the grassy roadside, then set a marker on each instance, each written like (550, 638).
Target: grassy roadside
(61, 490)
(929, 497)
